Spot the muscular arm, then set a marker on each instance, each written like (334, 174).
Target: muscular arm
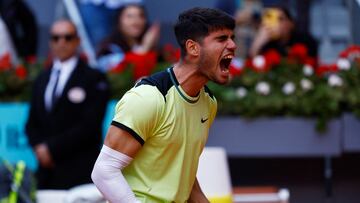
(197, 196)
(129, 130)
(118, 151)
(122, 141)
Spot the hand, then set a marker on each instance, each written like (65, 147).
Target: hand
(264, 35)
(43, 155)
(150, 38)
(196, 195)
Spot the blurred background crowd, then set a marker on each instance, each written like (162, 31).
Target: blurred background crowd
(125, 40)
(326, 27)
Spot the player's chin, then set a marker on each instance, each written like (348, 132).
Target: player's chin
(222, 79)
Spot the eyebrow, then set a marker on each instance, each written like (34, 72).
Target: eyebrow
(224, 37)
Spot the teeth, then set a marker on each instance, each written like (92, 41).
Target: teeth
(228, 57)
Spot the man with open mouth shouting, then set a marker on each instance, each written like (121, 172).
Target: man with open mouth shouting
(152, 148)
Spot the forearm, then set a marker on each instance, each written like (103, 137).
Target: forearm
(108, 178)
(261, 39)
(256, 47)
(197, 196)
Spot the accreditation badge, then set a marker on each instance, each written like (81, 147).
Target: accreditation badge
(76, 95)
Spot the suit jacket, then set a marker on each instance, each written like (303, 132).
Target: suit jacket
(72, 129)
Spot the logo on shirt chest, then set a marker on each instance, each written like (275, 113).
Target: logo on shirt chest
(204, 119)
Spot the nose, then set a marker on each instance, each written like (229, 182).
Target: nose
(231, 45)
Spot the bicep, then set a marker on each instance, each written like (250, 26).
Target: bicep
(122, 141)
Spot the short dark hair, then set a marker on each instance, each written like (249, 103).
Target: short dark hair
(197, 23)
(286, 12)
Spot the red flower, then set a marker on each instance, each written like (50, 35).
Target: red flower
(168, 47)
(258, 64)
(30, 59)
(326, 68)
(170, 53)
(354, 48)
(236, 68)
(48, 61)
(311, 61)
(272, 57)
(143, 64)
(264, 63)
(120, 67)
(5, 62)
(21, 72)
(298, 52)
(352, 53)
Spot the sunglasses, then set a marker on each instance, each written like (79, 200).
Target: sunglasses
(66, 37)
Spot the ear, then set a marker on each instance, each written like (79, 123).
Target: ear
(192, 47)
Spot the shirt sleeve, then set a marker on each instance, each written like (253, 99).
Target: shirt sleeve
(139, 112)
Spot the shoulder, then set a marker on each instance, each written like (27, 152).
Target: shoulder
(211, 99)
(161, 81)
(91, 77)
(140, 104)
(148, 94)
(144, 96)
(209, 93)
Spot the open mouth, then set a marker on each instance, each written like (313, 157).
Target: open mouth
(225, 63)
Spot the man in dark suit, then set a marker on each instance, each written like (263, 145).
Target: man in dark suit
(67, 108)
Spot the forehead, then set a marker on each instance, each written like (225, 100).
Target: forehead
(63, 27)
(282, 15)
(220, 32)
(132, 9)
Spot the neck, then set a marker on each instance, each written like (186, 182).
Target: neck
(287, 37)
(131, 42)
(189, 78)
(62, 60)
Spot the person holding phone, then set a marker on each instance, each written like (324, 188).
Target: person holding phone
(278, 31)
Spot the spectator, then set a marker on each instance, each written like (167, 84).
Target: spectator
(22, 26)
(247, 22)
(280, 33)
(105, 11)
(130, 35)
(67, 107)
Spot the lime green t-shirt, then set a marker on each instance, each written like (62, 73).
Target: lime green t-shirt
(173, 129)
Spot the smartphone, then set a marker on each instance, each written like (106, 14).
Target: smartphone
(270, 18)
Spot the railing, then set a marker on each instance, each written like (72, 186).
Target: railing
(74, 14)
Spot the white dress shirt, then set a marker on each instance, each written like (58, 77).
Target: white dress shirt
(66, 68)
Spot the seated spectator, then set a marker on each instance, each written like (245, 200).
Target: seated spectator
(278, 31)
(131, 35)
